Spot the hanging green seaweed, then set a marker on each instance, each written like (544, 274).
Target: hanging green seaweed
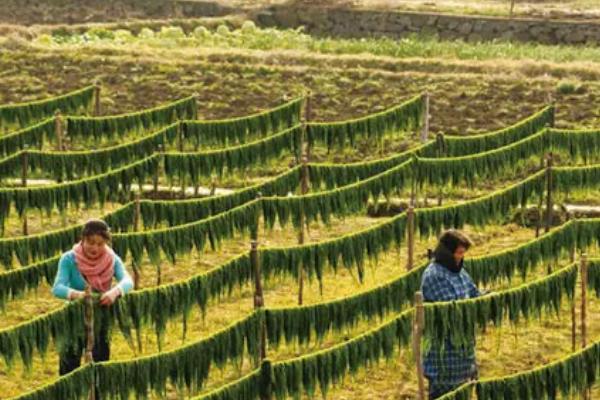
(247, 387)
(181, 239)
(483, 165)
(114, 126)
(177, 212)
(16, 282)
(403, 116)
(31, 136)
(194, 165)
(594, 275)
(69, 103)
(35, 334)
(187, 366)
(463, 392)
(346, 200)
(78, 164)
(481, 210)
(579, 144)
(566, 179)
(75, 385)
(335, 175)
(455, 322)
(349, 250)
(459, 146)
(235, 131)
(550, 246)
(160, 304)
(565, 377)
(113, 185)
(300, 324)
(327, 367)
(44, 245)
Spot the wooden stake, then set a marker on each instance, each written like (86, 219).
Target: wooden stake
(97, 89)
(179, 138)
(197, 98)
(89, 333)
(425, 131)
(584, 277)
(180, 149)
(549, 188)
(538, 225)
(307, 119)
(136, 228)
(259, 300)
(155, 176)
(59, 128)
(24, 167)
(418, 326)
(411, 235)
(512, 8)
(213, 187)
(441, 153)
(573, 304)
(304, 188)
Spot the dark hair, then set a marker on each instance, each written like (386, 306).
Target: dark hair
(453, 239)
(96, 227)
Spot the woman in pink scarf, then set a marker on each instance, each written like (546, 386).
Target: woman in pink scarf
(91, 262)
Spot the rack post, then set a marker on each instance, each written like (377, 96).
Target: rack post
(97, 90)
(301, 232)
(549, 189)
(89, 334)
(136, 228)
(418, 325)
(24, 168)
(59, 130)
(411, 235)
(425, 131)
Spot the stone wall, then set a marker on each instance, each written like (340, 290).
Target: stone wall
(349, 23)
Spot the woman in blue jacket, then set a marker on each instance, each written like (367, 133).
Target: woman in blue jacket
(91, 262)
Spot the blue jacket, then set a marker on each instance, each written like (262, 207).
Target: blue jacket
(69, 277)
(452, 365)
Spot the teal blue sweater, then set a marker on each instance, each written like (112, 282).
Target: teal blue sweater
(69, 277)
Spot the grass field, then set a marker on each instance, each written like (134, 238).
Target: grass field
(474, 88)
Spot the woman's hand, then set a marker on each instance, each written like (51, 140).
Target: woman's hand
(108, 298)
(75, 294)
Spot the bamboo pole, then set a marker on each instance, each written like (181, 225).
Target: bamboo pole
(549, 189)
(97, 90)
(155, 175)
(441, 153)
(426, 116)
(538, 224)
(24, 168)
(584, 277)
(196, 96)
(59, 130)
(411, 235)
(136, 228)
(180, 149)
(307, 119)
(259, 301)
(573, 303)
(418, 326)
(89, 333)
(301, 234)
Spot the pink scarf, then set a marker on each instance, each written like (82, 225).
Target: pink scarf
(98, 272)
